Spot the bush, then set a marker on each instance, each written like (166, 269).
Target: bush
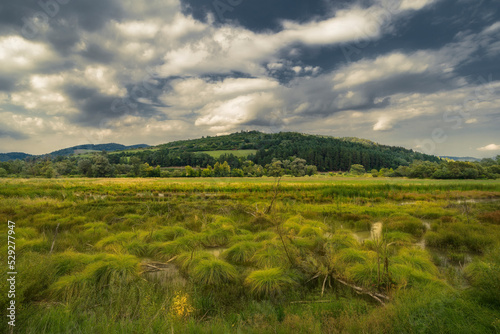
(491, 217)
(406, 224)
(484, 277)
(462, 237)
(269, 282)
(241, 253)
(213, 272)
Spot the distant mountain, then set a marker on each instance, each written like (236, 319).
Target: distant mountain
(471, 159)
(80, 149)
(13, 156)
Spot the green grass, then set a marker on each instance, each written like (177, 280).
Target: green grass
(270, 282)
(125, 247)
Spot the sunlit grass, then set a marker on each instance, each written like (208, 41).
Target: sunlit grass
(245, 268)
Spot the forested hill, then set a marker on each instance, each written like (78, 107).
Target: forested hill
(13, 156)
(327, 153)
(98, 147)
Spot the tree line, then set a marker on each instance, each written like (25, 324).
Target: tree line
(188, 164)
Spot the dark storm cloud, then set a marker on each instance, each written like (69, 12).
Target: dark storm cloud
(97, 109)
(219, 77)
(7, 84)
(63, 36)
(95, 53)
(94, 107)
(428, 29)
(91, 15)
(258, 15)
(425, 83)
(7, 133)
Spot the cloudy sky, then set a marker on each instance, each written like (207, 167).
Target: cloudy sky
(423, 74)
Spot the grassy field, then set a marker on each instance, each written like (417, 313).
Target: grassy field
(314, 255)
(236, 153)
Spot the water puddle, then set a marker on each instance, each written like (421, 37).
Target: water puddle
(460, 201)
(374, 233)
(163, 273)
(215, 251)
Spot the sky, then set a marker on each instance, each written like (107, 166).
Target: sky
(422, 74)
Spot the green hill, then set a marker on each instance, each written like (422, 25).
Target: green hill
(327, 153)
(13, 156)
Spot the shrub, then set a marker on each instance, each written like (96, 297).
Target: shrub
(269, 282)
(241, 253)
(188, 260)
(107, 273)
(491, 217)
(461, 236)
(484, 277)
(213, 272)
(271, 255)
(169, 233)
(406, 223)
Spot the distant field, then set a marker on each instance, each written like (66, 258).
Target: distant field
(136, 150)
(212, 255)
(237, 153)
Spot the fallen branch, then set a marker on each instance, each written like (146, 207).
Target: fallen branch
(157, 266)
(155, 269)
(312, 301)
(361, 291)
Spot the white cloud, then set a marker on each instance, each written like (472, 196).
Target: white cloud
(490, 147)
(414, 4)
(382, 67)
(18, 54)
(384, 123)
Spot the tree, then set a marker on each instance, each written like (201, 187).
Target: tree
(275, 169)
(311, 170)
(298, 167)
(101, 166)
(64, 167)
(85, 167)
(222, 170)
(357, 169)
(207, 172)
(237, 172)
(48, 171)
(422, 169)
(191, 172)
(17, 166)
(136, 165)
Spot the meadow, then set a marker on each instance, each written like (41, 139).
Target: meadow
(225, 255)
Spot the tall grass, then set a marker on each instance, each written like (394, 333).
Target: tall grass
(270, 282)
(213, 272)
(115, 235)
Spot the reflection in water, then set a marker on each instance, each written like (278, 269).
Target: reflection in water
(167, 273)
(374, 233)
(215, 251)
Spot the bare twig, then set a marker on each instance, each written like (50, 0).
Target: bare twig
(323, 288)
(54, 240)
(276, 191)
